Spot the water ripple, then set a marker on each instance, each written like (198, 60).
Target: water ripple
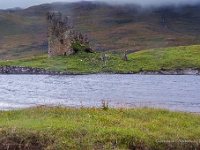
(172, 92)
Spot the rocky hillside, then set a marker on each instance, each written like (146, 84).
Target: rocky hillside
(109, 28)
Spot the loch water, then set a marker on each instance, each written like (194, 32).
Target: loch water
(173, 92)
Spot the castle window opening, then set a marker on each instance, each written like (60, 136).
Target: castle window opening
(61, 41)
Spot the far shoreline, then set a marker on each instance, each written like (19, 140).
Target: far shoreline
(20, 70)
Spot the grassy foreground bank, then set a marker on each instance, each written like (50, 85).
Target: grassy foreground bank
(90, 128)
(175, 58)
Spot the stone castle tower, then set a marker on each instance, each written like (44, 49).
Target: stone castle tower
(60, 34)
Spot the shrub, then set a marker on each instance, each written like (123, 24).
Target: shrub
(79, 47)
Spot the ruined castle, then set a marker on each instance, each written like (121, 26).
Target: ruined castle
(61, 35)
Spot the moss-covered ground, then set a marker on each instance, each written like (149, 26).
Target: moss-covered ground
(98, 128)
(174, 58)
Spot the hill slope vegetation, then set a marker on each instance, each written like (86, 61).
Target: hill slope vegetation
(109, 28)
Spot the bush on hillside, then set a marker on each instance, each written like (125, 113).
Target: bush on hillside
(79, 47)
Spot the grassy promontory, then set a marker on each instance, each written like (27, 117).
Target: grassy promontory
(174, 58)
(57, 128)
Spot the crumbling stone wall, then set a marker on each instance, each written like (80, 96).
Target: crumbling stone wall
(60, 34)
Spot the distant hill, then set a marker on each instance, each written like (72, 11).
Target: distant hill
(109, 28)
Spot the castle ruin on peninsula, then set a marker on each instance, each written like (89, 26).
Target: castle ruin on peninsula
(61, 35)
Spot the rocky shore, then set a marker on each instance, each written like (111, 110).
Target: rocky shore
(30, 70)
(173, 72)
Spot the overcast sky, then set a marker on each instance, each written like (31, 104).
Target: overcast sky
(4, 4)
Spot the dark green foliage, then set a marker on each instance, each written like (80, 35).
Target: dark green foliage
(79, 47)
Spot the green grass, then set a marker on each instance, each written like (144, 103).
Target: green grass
(91, 128)
(174, 58)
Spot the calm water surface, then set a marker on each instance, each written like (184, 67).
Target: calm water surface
(180, 93)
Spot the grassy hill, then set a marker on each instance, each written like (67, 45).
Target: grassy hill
(173, 58)
(112, 29)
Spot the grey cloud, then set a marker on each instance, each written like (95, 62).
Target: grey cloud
(4, 4)
(152, 2)
(27, 3)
